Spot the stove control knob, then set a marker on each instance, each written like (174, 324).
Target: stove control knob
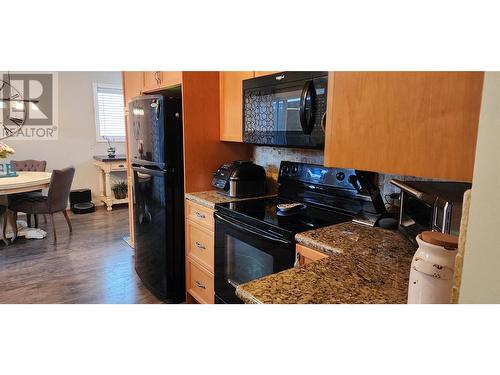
(286, 169)
(340, 176)
(294, 169)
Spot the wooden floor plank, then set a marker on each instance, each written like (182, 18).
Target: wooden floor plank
(93, 265)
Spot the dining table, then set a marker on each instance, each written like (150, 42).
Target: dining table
(22, 183)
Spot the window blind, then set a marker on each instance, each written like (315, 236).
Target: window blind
(110, 120)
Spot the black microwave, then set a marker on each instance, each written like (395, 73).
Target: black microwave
(430, 205)
(285, 109)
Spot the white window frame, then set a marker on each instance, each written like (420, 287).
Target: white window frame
(100, 139)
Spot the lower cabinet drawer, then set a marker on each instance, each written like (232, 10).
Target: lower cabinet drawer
(200, 245)
(199, 214)
(118, 166)
(200, 282)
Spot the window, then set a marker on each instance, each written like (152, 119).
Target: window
(109, 115)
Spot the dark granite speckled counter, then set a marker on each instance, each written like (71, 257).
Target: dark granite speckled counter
(211, 197)
(365, 265)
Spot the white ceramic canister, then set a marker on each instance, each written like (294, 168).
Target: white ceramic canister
(432, 268)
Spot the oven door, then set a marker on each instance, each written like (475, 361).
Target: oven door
(285, 109)
(244, 253)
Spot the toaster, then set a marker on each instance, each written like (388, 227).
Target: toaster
(240, 179)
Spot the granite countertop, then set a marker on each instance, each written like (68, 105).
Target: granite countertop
(211, 197)
(106, 158)
(365, 265)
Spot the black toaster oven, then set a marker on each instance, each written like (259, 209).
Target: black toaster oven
(240, 179)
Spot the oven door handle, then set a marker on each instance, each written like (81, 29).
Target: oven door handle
(244, 228)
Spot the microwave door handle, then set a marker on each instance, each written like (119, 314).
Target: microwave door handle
(248, 230)
(307, 90)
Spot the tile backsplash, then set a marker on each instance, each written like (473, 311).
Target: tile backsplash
(270, 158)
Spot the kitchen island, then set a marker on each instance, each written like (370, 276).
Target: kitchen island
(365, 265)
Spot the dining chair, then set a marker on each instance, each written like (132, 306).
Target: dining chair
(55, 201)
(29, 165)
(4, 216)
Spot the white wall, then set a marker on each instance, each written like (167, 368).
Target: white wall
(481, 269)
(76, 144)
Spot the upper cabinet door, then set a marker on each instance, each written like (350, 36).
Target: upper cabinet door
(411, 123)
(132, 86)
(152, 81)
(260, 74)
(168, 79)
(231, 105)
(158, 80)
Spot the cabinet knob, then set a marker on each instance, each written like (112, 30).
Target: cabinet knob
(200, 246)
(200, 285)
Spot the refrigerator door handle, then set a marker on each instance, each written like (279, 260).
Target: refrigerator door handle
(150, 171)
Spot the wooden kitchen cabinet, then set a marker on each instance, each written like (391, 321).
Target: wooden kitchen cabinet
(168, 79)
(260, 74)
(199, 283)
(231, 105)
(411, 123)
(307, 255)
(199, 253)
(200, 245)
(133, 82)
(151, 80)
(158, 80)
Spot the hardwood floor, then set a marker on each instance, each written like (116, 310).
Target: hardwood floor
(93, 265)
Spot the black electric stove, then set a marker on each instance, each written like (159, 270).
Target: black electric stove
(253, 238)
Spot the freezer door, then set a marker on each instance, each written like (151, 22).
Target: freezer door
(147, 131)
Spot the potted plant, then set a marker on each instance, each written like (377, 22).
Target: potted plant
(120, 189)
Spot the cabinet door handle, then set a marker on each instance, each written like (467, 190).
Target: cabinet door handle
(200, 285)
(200, 246)
(199, 215)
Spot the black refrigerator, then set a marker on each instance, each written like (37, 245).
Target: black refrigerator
(158, 193)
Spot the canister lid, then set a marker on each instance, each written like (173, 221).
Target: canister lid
(440, 239)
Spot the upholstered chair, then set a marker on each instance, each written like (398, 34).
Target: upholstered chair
(29, 165)
(55, 201)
